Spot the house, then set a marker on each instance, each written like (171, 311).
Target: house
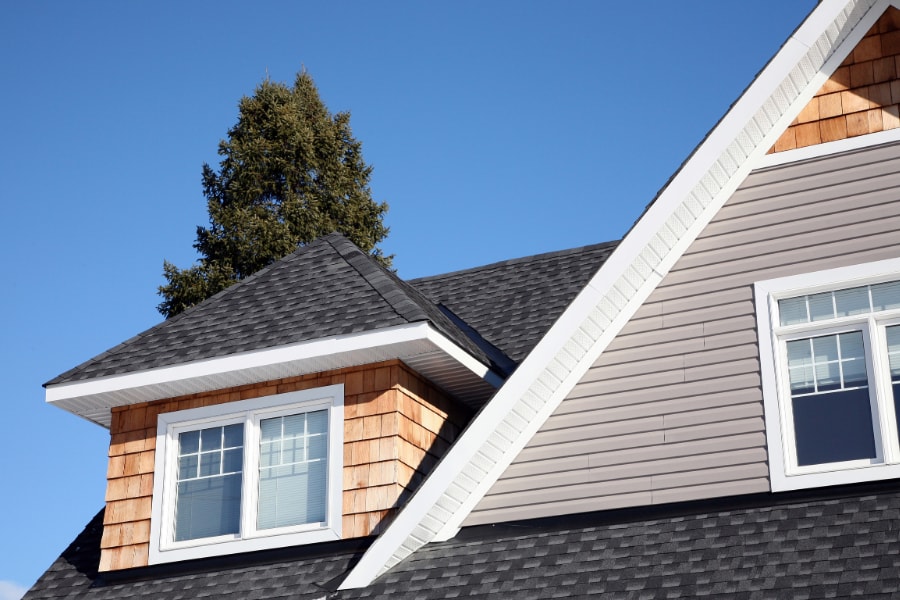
(705, 408)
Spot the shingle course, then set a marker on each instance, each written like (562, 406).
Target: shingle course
(573, 557)
(514, 302)
(330, 287)
(327, 288)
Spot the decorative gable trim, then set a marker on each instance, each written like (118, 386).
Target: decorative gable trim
(419, 345)
(827, 148)
(679, 213)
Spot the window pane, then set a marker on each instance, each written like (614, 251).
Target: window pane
(233, 461)
(234, 435)
(893, 344)
(800, 366)
(821, 306)
(832, 414)
(317, 421)
(210, 464)
(292, 483)
(318, 447)
(269, 453)
(270, 429)
(825, 348)
(187, 466)
(833, 427)
(208, 502)
(211, 439)
(853, 358)
(793, 310)
(188, 442)
(886, 296)
(295, 425)
(854, 301)
(854, 371)
(208, 507)
(828, 376)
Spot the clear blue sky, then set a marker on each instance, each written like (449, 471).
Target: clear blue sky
(496, 130)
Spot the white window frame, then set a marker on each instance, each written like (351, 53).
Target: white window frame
(784, 472)
(164, 549)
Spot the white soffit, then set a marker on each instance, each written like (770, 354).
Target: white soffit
(680, 212)
(425, 350)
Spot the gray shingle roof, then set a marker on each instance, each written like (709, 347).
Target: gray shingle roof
(327, 288)
(513, 303)
(835, 543)
(330, 287)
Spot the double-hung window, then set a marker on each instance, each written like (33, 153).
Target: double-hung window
(830, 360)
(248, 475)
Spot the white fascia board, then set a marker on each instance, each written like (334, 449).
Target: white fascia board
(463, 357)
(264, 359)
(639, 263)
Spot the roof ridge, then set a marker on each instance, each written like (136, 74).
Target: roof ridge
(404, 299)
(376, 276)
(514, 261)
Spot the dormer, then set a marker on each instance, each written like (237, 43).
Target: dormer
(299, 406)
(304, 404)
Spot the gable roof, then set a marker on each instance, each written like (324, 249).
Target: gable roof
(667, 228)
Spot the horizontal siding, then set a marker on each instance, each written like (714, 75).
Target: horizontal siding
(672, 410)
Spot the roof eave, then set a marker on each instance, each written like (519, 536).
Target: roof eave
(419, 345)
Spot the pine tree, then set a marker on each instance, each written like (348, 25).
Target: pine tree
(290, 173)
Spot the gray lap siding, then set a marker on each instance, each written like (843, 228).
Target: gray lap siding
(672, 410)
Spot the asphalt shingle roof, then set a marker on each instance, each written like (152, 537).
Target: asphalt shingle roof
(326, 288)
(330, 287)
(835, 543)
(513, 303)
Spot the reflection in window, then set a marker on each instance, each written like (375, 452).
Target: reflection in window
(208, 492)
(830, 399)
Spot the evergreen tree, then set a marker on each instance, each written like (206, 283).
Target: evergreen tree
(290, 172)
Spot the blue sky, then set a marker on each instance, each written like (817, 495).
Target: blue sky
(496, 130)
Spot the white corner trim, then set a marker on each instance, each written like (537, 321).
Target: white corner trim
(632, 272)
(828, 148)
(262, 359)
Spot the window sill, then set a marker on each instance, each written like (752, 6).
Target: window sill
(207, 549)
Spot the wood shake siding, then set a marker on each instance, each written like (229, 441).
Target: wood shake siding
(396, 426)
(673, 409)
(861, 96)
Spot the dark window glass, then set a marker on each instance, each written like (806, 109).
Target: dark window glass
(833, 427)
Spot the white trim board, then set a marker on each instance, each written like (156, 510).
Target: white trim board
(93, 398)
(829, 148)
(681, 211)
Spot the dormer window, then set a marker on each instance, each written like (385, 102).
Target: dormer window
(248, 475)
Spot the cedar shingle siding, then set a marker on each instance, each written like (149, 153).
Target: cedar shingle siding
(396, 427)
(862, 96)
